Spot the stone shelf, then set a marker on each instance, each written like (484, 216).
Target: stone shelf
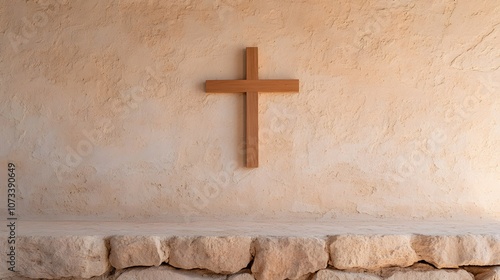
(283, 227)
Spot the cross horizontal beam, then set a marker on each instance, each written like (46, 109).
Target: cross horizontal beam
(241, 86)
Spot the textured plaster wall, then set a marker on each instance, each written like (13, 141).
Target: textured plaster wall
(103, 110)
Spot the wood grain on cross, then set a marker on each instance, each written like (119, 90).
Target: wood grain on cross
(252, 86)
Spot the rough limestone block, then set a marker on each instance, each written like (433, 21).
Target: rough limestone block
(226, 255)
(330, 274)
(127, 251)
(475, 270)
(371, 251)
(4, 264)
(27, 278)
(241, 276)
(492, 274)
(288, 257)
(62, 256)
(110, 276)
(455, 251)
(438, 274)
(167, 273)
(102, 277)
(307, 276)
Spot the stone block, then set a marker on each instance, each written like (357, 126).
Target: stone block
(491, 274)
(453, 251)
(438, 274)
(62, 256)
(330, 274)
(128, 251)
(168, 273)
(241, 276)
(226, 255)
(371, 251)
(288, 257)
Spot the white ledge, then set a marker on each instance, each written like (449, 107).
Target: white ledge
(297, 227)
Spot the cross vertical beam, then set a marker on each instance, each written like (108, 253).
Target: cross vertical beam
(252, 107)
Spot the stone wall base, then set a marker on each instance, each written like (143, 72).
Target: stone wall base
(355, 257)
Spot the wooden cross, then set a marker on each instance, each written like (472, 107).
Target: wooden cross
(252, 86)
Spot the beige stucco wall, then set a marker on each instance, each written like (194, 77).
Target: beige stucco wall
(103, 110)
